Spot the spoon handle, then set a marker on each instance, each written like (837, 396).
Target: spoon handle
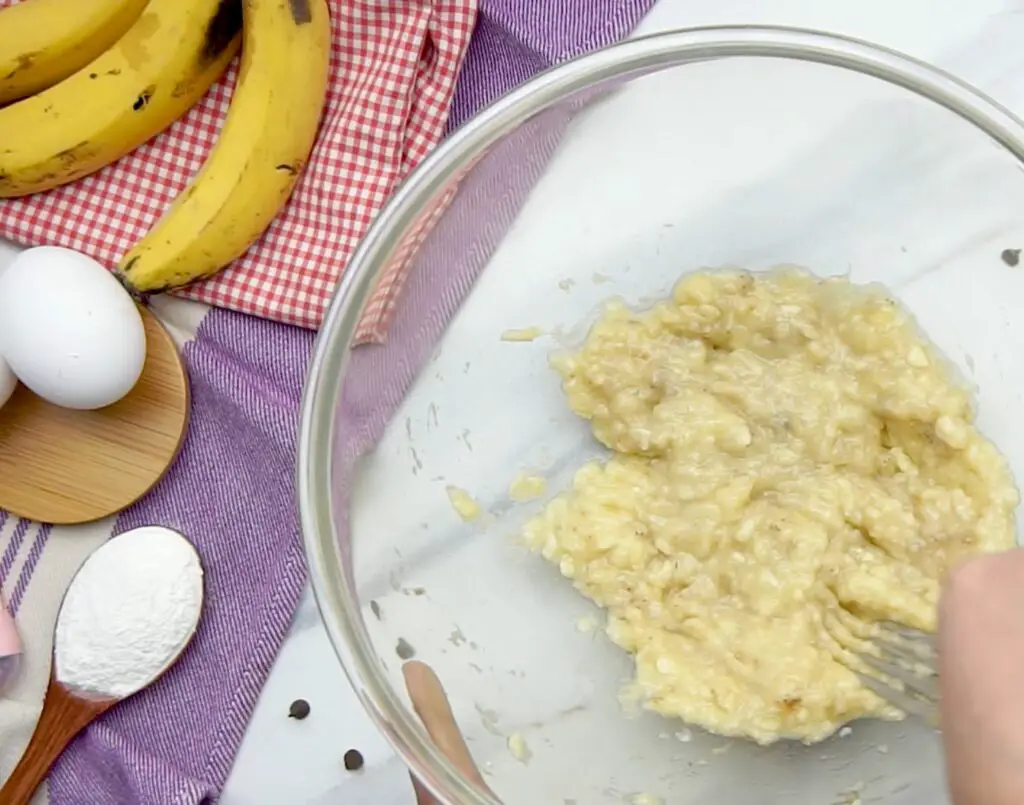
(64, 716)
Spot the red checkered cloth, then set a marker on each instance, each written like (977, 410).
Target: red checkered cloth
(394, 66)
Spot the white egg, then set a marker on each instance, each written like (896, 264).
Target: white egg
(7, 382)
(68, 329)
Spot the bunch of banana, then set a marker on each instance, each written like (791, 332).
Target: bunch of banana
(44, 41)
(141, 84)
(263, 147)
(110, 74)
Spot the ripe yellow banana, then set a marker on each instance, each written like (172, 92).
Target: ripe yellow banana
(44, 41)
(263, 147)
(147, 79)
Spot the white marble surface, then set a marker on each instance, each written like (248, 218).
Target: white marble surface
(288, 761)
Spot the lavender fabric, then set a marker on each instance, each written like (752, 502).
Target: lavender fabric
(231, 489)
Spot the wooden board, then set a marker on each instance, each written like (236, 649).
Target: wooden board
(63, 466)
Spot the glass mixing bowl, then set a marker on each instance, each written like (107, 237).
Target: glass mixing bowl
(612, 176)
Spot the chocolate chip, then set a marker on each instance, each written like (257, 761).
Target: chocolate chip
(353, 760)
(1011, 257)
(375, 609)
(299, 709)
(404, 650)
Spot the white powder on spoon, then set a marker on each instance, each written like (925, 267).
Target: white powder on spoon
(129, 612)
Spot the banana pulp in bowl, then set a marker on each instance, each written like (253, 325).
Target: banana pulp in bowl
(788, 447)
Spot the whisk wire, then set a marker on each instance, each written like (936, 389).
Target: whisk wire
(902, 669)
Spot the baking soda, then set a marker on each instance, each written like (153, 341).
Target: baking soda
(130, 610)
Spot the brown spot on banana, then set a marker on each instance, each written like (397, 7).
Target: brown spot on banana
(291, 168)
(12, 188)
(124, 273)
(182, 88)
(144, 98)
(25, 61)
(70, 157)
(301, 11)
(222, 30)
(126, 283)
(65, 167)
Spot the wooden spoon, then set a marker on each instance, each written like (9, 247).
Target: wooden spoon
(67, 709)
(64, 716)
(431, 704)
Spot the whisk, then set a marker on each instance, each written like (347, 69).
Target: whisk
(902, 669)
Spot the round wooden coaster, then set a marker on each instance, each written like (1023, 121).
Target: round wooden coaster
(63, 466)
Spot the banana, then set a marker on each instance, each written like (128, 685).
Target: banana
(45, 41)
(147, 79)
(263, 147)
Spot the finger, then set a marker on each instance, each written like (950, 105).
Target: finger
(431, 705)
(981, 653)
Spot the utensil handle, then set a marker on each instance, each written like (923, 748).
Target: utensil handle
(10, 648)
(62, 718)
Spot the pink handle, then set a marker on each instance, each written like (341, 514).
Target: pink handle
(9, 640)
(10, 648)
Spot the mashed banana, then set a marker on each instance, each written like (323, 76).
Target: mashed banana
(792, 462)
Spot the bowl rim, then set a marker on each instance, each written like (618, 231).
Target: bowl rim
(334, 594)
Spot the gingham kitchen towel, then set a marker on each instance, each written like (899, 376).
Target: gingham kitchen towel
(393, 66)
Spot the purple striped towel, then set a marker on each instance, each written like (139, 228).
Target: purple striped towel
(231, 490)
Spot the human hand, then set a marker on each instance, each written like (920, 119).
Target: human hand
(431, 705)
(981, 670)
